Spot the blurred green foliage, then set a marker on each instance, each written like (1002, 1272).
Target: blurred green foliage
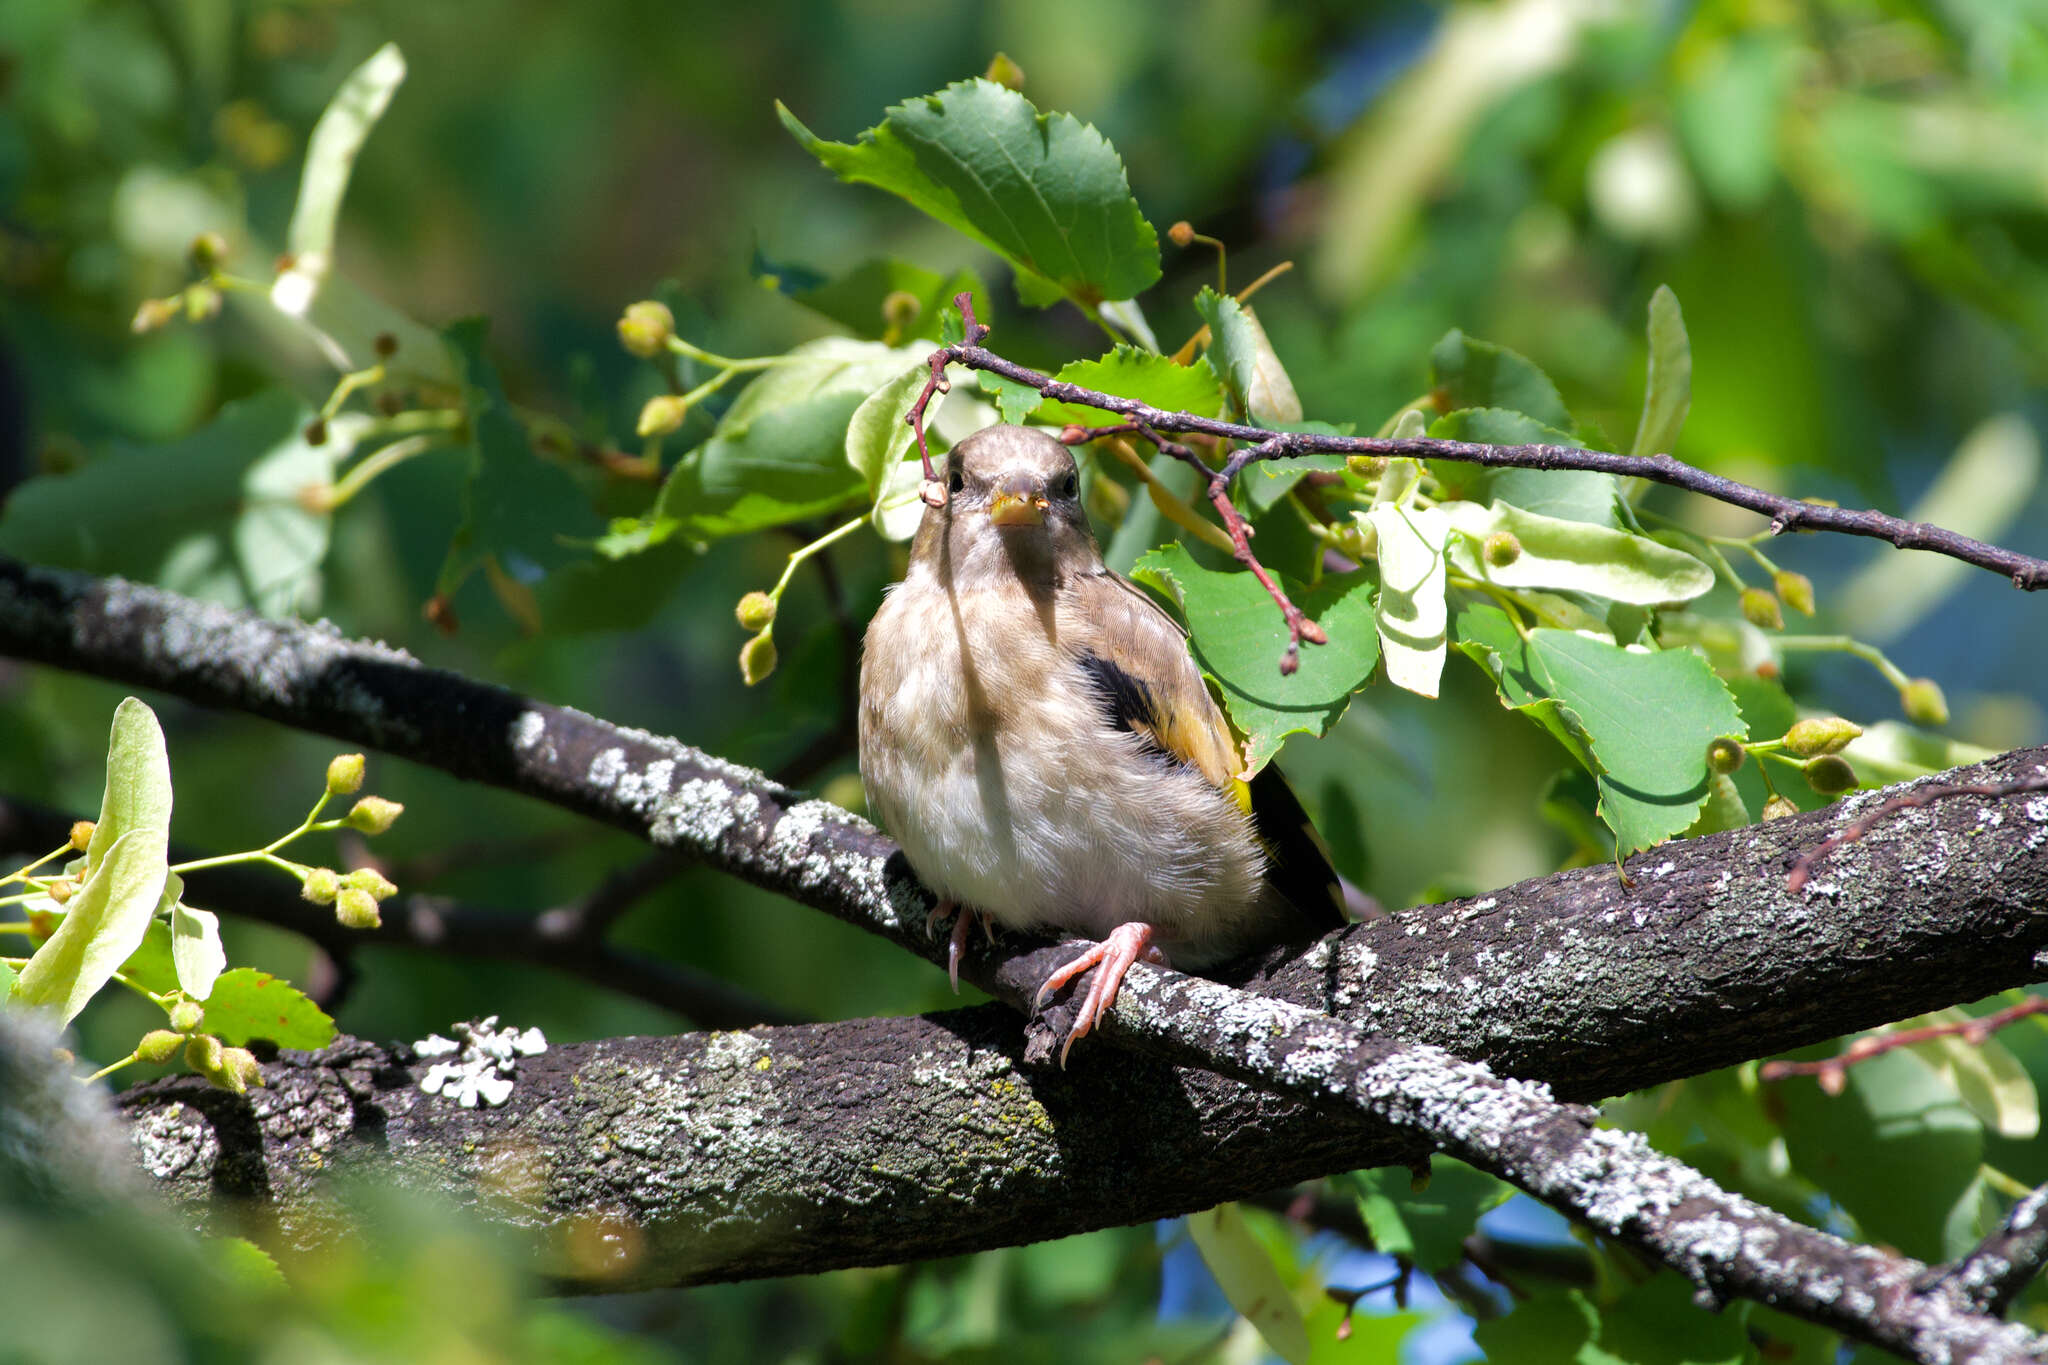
(1848, 198)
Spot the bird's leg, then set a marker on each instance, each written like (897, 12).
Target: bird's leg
(956, 943)
(1127, 943)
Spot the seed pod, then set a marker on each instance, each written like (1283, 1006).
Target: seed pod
(187, 1016)
(371, 880)
(756, 611)
(1796, 589)
(1923, 702)
(374, 815)
(1830, 775)
(202, 1053)
(356, 908)
(1726, 754)
(345, 775)
(645, 327)
(159, 1045)
(757, 658)
(662, 415)
(1779, 807)
(1760, 609)
(1502, 549)
(81, 834)
(1820, 735)
(1181, 233)
(321, 886)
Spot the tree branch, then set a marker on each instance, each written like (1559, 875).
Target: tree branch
(2004, 1263)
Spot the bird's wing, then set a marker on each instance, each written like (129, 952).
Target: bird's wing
(1136, 657)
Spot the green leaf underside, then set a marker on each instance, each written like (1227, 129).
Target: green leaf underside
(515, 502)
(1246, 362)
(1667, 389)
(1470, 373)
(779, 454)
(1248, 1278)
(877, 437)
(1571, 494)
(1410, 611)
(1640, 722)
(195, 943)
(215, 515)
(248, 1004)
(1044, 191)
(126, 868)
(1238, 638)
(1427, 1226)
(1573, 556)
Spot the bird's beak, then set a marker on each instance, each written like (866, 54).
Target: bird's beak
(1018, 504)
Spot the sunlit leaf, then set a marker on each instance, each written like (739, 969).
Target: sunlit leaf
(1129, 372)
(1987, 1077)
(1044, 191)
(1410, 611)
(195, 943)
(1573, 494)
(1572, 556)
(1427, 1226)
(246, 1004)
(126, 868)
(1238, 637)
(877, 436)
(1246, 362)
(1245, 1273)
(330, 160)
(1470, 373)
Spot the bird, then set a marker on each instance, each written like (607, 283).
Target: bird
(1035, 734)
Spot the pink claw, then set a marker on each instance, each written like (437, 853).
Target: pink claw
(1126, 944)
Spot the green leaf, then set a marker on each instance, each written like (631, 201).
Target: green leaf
(1238, 638)
(195, 943)
(1667, 391)
(1428, 1226)
(151, 966)
(1478, 374)
(1129, 372)
(7, 980)
(1896, 1115)
(1549, 1329)
(1045, 192)
(126, 868)
(1649, 718)
(1987, 1077)
(1573, 494)
(1483, 633)
(1891, 751)
(330, 160)
(1411, 611)
(517, 506)
(855, 300)
(246, 1004)
(1657, 1323)
(1573, 556)
(779, 453)
(1727, 109)
(244, 1264)
(877, 436)
(1246, 362)
(1015, 401)
(217, 515)
(1249, 1280)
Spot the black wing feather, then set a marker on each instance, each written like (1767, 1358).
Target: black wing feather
(1299, 866)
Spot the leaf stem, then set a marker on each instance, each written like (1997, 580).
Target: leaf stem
(797, 557)
(21, 873)
(1844, 644)
(389, 457)
(112, 1067)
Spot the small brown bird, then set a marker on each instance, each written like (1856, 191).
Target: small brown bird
(1036, 736)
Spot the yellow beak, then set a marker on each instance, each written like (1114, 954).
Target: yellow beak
(1017, 509)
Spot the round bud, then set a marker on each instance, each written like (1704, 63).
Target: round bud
(1830, 775)
(1924, 702)
(61, 890)
(1365, 466)
(81, 834)
(208, 251)
(1181, 233)
(373, 815)
(159, 1045)
(355, 908)
(1796, 589)
(315, 433)
(1005, 72)
(385, 345)
(151, 314)
(1072, 434)
(1778, 807)
(1818, 735)
(662, 415)
(1502, 549)
(202, 1053)
(900, 308)
(345, 775)
(757, 658)
(370, 880)
(645, 327)
(239, 1069)
(321, 886)
(187, 1016)
(756, 611)
(1760, 609)
(1725, 755)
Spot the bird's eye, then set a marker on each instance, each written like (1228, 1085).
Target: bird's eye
(955, 482)
(1069, 484)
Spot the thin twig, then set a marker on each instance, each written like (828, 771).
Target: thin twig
(1802, 870)
(1832, 1072)
(2005, 1262)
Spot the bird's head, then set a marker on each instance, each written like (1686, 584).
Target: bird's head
(1013, 506)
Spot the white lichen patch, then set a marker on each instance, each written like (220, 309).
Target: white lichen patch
(529, 734)
(172, 1140)
(486, 1058)
(697, 815)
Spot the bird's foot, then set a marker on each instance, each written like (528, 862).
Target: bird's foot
(956, 942)
(1127, 943)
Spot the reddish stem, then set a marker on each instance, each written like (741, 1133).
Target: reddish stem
(1832, 1072)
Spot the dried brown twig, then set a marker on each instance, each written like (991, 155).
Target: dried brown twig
(1833, 1072)
(1786, 514)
